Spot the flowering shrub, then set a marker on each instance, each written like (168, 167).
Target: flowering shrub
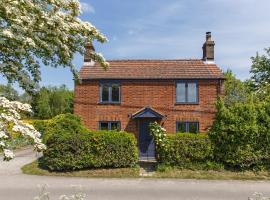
(44, 195)
(159, 135)
(47, 31)
(258, 196)
(10, 121)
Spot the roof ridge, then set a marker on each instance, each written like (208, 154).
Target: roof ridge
(166, 60)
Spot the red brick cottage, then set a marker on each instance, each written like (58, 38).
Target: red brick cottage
(179, 94)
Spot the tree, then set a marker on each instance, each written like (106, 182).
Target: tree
(52, 101)
(9, 92)
(42, 31)
(10, 122)
(260, 72)
(235, 89)
(41, 104)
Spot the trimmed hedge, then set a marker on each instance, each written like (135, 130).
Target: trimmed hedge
(186, 148)
(71, 146)
(63, 123)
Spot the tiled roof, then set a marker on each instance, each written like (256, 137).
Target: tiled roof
(152, 69)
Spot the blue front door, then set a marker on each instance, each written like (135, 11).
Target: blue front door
(146, 141)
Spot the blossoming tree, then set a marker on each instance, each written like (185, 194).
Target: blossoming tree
(42, 31)
(10, 120)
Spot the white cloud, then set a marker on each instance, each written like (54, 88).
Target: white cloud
(87, 8)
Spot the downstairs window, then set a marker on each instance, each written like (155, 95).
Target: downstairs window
(187, 127)
(109, 125)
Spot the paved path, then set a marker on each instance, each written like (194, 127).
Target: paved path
(16, 186)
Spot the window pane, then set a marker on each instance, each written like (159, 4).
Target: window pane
(105, 92)
(193, 127)
(181, 92)
(192, 92)
(115, 126)
(181, 127)
(104, 126)
(115, 93)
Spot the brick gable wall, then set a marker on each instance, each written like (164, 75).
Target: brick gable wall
(136, 94)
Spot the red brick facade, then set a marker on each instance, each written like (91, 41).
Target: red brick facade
(137, 94)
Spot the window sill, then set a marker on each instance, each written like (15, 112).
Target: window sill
(186, 103)
(109, 103)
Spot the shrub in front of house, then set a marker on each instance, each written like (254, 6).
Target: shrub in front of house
(241, 135)
(73, 147)
(63, 123)
(185, 149)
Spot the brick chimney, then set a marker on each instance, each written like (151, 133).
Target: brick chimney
(89, 49)
(208, 48)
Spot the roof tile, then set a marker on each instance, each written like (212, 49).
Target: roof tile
(152, 69)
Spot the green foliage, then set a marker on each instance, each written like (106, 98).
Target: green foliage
(160, 137)
(9, 92)
(185, 148)
(52, 101)
(42, 32)
(260, 71)
(235, 90)
(240, 134)
(63, 123)
(70, 146)
(40, 125)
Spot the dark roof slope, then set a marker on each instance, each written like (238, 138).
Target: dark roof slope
(152, 69)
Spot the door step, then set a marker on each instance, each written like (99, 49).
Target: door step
(147, 168)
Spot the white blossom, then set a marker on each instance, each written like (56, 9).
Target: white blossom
(10, 117)
(8, 154)
(7, 33)
(2, 144)
(3, 135)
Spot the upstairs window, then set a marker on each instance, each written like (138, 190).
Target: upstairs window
(187, 127)
(110, 93)
(109, 125)
(186, 92)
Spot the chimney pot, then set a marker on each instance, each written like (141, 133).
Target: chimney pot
(208, 36)
(208, 48)
(89, 49)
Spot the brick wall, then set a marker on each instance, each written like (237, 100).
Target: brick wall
(137, 94)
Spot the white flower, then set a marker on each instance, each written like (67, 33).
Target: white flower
(30, 42)
(163, 129)
(10, 116)
(7, 33)
(3, 135)
(2, 144)
(8, 154)
(63, 197)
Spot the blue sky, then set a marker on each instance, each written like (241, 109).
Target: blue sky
(175, 29)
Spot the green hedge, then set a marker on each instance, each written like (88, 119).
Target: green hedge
(240, 135)
(70, 146)
(186, 148)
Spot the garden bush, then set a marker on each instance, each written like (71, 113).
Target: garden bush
(40, 125)
(63, 122)
(241, 135)
(70, 146)
(185, 149)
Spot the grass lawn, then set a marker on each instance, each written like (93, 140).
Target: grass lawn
(33, 169)
(168, 172)
(173, 172)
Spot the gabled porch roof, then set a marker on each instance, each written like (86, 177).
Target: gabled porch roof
(147, 112)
